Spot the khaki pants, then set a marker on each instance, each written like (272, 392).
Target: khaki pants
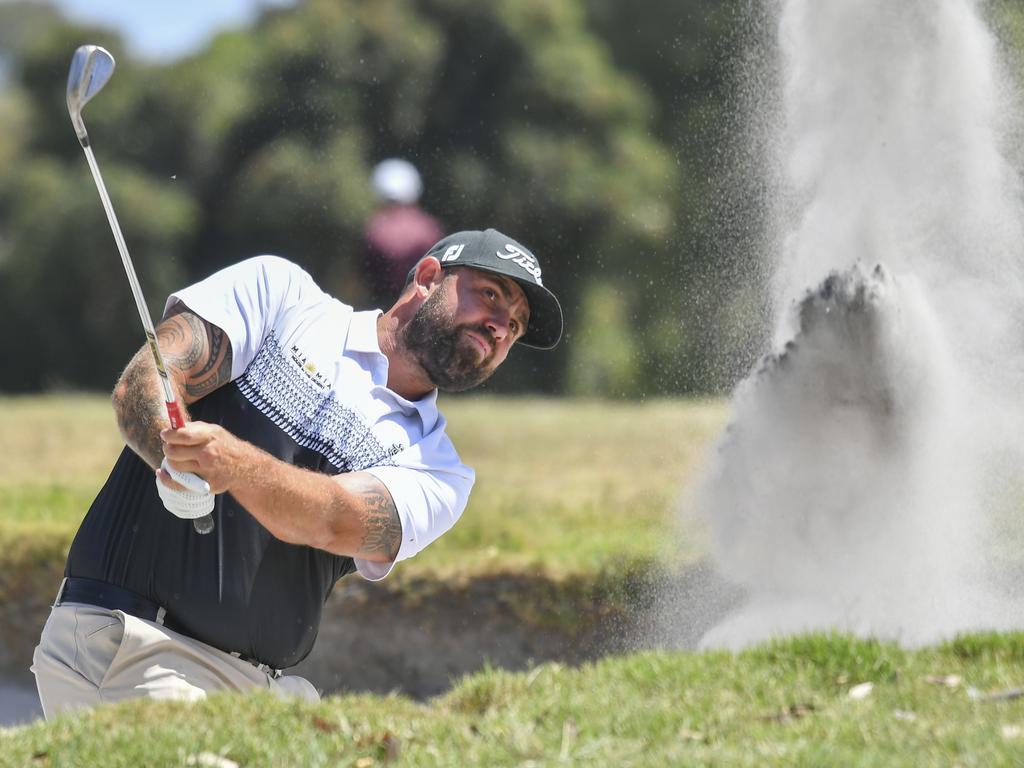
(89, 655)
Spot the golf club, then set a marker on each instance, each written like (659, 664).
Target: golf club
(91, 68)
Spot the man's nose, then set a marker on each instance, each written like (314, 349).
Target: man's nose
(497, 324)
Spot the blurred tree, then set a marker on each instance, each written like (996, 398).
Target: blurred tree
(21, 22)
(701, 317)
(41, 70)
(514, 111)
(14, 116)
(606, 351)
(1008, 18)
(613, 139)
(61, 280)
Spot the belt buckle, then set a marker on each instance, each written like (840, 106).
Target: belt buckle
(264, 668)
(267, 669)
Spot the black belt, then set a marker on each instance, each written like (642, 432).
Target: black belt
(115, 598)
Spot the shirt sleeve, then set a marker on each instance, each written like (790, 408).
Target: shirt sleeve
(430, 488)
(246, 301)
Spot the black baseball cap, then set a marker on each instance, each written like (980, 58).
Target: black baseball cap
(492, 251)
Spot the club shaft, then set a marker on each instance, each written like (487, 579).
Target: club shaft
(203, 524)
(82, 87)
(140, 300)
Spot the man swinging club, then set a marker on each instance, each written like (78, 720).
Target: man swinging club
(315, 432)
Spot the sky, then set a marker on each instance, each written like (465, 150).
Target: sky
(162, 30)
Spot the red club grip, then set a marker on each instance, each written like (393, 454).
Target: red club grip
(174, 414)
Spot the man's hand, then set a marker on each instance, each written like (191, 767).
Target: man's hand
(350, 514)
(206, 450)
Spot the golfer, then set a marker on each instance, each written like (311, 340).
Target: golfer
(314, 441)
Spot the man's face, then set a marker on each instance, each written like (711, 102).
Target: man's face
(464, 329)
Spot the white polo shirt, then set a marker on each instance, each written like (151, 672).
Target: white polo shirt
(314, 367)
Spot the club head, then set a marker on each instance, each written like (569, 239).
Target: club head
(91, 68)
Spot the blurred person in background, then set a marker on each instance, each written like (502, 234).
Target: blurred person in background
(399, 233)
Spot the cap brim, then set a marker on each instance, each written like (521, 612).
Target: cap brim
(545, 327)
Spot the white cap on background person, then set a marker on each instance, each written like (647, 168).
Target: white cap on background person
(397, 181)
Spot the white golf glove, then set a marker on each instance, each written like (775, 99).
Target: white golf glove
(190, 504)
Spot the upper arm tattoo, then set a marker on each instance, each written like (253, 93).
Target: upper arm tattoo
(199, 351)
(382, 530)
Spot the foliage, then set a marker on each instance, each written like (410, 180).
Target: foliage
(613, 138)
(694, 289)
(604, 359)
(515, 112)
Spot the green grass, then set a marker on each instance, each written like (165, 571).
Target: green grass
(566, 491)
(783, 704)
(562, 487)
(567, 486)
(55, 452)
(581, 498)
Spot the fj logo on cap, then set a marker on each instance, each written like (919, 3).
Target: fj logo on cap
(523, 259)
(452, 253)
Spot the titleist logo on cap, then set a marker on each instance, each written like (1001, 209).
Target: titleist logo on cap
(523, 259)
(512, 253)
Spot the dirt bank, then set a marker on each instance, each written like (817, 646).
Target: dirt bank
(422, 636)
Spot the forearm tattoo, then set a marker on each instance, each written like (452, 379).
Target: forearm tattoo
(381, 526)
(197, 357)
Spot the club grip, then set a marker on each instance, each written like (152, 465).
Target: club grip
(202, 524)
(174, 414)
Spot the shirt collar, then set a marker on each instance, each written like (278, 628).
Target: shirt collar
(362, 332)
(362, 337)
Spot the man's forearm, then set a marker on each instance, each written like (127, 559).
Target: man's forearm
(197, 358)
(348, 514)
(351, 514)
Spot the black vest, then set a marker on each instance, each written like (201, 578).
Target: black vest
(238, 588)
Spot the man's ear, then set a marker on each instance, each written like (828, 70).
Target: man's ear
(428, 273)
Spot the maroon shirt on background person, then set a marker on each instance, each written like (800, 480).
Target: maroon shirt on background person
(396, 237)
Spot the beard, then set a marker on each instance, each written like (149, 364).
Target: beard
(442, 348)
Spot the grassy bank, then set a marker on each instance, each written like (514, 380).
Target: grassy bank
(567, 491)
(574, 512)
(809, 701)
(563, 487)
